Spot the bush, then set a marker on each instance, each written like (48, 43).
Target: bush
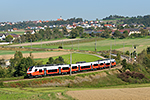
(60, 47)
(1, 84)
(131, 77)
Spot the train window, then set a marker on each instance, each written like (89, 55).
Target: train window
(112, 62)
(82, 67)
(35, 70)
(74, 67)
(40, 70)
(101, 63)
(30, 69)
(52, 70)
(65, 68)
(108, 64)
(95, 64)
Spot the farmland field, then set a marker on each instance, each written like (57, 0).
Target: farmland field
(112, 94)
(20, 32)
(119, 44)
(36, 54)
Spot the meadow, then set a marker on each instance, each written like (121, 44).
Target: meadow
(7, 52)
(76, 57)
(107, 44)
(20, 32)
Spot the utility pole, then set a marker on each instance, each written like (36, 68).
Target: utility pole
(20, 42)
(95, 44)
(41, 43)
(70, 62)
(115, 41)
(78, 44)
(130, 55)
(72, 45)
(123, 48)
(132, 50)
(110, 56)
(62, 43)
(31, 43)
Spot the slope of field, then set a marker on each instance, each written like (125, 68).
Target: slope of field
(112, 94)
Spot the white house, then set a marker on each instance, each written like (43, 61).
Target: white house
(134, 31)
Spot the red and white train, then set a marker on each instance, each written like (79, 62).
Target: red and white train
(43, 70)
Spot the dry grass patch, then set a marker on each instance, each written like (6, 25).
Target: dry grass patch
(112, 94)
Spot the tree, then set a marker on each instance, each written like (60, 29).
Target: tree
(24, 64)
(148, 50)
(50, 60)
(124, 64)
(2, 72)
(59, 60)
(74, 33)
(144, 32)
(9, 38)
(118, 56)
(80, 30)
(127, 53)
(65, 32)
(117, 33)
(125, 33)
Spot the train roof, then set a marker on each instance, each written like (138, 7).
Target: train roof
(48, 65)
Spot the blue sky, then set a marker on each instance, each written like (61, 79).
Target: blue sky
(23, 10)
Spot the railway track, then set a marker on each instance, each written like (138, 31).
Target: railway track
(116, 67)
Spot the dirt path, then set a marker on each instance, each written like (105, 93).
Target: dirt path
(44, 42)
(37, 55)
(112, 94)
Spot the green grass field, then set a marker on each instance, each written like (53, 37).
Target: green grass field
(15, 32)
(76, 57)
(119, 44)
(7, 52)
(50, 93)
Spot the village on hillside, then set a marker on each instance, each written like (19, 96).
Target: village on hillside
(89, 28)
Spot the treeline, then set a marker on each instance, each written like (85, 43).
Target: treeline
(48, 34)
(113, 17)
(20, 64)
(145, 20)
(25, 24)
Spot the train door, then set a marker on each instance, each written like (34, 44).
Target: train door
(78, 67)
(45, 71)
(59, 70)
(91, 66)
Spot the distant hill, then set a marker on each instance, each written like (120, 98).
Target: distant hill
(145, 20)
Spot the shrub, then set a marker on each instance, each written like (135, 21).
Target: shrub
(60, 47)
(1, 84)
(134, 77)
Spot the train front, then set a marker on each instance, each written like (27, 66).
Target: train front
(30, 71)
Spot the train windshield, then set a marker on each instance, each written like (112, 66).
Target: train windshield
(30, 69)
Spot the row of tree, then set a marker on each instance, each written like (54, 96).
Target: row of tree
(145, 20)
(20, 64)
(48, 34)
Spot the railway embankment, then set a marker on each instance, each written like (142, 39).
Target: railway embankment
(83, 79)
